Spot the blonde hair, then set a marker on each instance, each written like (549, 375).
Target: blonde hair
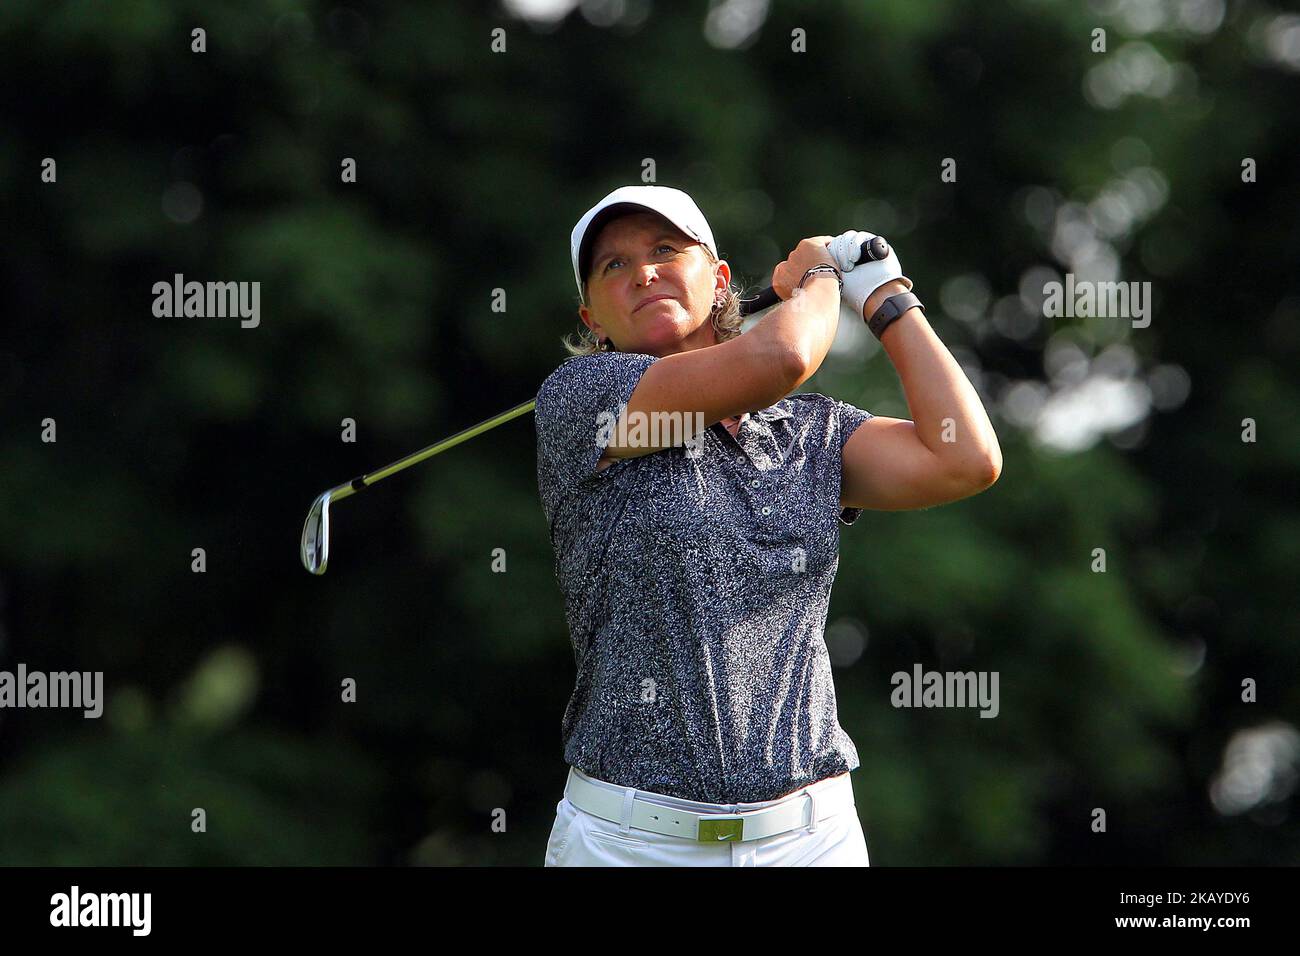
(726, 320)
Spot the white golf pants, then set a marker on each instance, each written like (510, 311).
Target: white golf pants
(580, 839)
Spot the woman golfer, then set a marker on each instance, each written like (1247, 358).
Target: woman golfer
(696, 561)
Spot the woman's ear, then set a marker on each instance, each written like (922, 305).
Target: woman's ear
(723, 273)
(585, 315)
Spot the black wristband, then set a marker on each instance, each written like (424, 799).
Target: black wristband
(891, 309)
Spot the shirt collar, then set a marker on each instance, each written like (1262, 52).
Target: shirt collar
(773, 414)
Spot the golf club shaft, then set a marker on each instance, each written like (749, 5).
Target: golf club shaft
(366, 480)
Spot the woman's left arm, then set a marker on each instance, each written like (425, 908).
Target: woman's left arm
(948, 452)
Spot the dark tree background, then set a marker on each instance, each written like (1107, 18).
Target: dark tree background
(1120, 690)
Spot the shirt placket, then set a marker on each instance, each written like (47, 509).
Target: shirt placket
(741, 447)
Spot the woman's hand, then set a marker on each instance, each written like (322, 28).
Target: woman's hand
(810, 252)
(867, 284)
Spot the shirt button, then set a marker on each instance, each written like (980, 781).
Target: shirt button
(754, 483)
(740, 459)
(767, 511)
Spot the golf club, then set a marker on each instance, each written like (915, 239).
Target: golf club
(315, 546)
(315, 550)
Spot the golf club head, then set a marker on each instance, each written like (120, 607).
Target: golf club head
(315, 550)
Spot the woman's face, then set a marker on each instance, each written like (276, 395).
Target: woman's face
(636, 258)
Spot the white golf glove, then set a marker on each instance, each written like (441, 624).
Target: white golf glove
(864, 278)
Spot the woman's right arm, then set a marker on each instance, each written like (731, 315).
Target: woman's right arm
(751, 371)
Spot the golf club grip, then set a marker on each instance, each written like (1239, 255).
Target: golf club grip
(873, 250)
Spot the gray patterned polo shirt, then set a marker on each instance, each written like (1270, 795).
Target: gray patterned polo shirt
(696, 583)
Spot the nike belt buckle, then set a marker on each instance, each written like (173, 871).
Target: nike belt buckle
(717, 827)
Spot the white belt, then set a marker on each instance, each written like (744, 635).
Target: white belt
(803, 808)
